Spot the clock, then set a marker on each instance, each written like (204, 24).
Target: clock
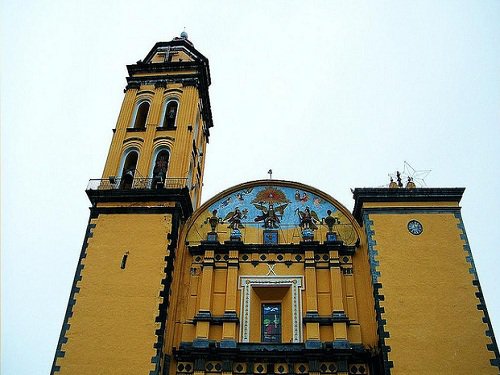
(415, 227)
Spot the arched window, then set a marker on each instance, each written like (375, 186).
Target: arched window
(160, 168)
(141, 115)
(170, 114)
(128, 169)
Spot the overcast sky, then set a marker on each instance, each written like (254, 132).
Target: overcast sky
(332, 94)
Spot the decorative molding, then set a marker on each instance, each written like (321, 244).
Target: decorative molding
(216, 320)
(492, 346)
(248, 282)
(164, 295)
(250, 355)
(161, 84)
(133, 138)
(377, 293)
(224, 248)
(169, 91)
(133, 85)
(363, 195)
(63, 339)
(163, 138)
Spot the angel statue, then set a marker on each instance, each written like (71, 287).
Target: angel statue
(269, 215)
(234, 218)
(308, 219)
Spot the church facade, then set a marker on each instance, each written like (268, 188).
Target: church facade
(267, 277)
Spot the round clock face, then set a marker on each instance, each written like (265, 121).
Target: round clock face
(415, 227)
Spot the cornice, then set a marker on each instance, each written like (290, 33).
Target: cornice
(364, 195)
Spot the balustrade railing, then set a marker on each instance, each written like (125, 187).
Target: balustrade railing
(125, 183)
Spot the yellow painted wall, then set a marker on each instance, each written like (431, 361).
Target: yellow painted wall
(112, 330)
(429, 299)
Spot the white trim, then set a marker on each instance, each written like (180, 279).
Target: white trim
(248, 282)
(153, 160)
(124, 157)
(136, 108)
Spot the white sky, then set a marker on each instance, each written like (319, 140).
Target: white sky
(332, 94)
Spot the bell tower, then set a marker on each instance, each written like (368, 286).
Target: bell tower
(151, 183)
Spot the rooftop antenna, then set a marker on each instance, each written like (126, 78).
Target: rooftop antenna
(270, 172)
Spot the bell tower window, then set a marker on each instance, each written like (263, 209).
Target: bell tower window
(170, 117)
(271, 322)
(160, 168)
(128, 171)
(141, 115)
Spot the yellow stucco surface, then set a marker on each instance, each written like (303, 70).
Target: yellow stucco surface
(112, 330)
(429, 299)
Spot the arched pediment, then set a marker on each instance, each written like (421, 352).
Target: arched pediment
(278, 206)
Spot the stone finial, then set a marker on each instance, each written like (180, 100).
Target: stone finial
(410, 184)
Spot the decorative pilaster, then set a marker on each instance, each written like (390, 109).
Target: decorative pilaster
(352, 310)
(115, 148)
(338, 308)
(204, 314)
(312, 328)
(229, 327)
(153, 119)
(184, 139)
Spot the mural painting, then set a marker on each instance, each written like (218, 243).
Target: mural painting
(282, 208)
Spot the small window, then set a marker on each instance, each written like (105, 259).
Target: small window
(169, 120)
(141, 115)
(271, 322)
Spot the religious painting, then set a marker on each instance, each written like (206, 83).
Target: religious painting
(271, 322)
